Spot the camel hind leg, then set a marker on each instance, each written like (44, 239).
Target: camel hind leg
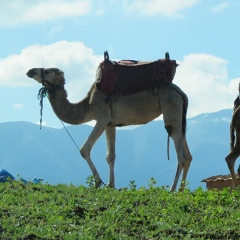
(183, 154)
(186, 165)
(174, 111)
(184, 160)
(234, 154)
(231, 159)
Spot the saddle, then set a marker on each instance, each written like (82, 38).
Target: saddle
(127, 77)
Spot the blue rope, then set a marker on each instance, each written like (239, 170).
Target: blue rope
(42, 93)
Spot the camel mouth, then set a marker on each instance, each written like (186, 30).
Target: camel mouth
(31, 73)
(35, 73)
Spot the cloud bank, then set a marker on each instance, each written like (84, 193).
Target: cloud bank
(14, 13)
(74, 58)
(205, 80)
(170, 8)
(220, 7)
(203, 77)
(28, 11)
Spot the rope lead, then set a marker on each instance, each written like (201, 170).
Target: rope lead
(69, 134)
(42, 93)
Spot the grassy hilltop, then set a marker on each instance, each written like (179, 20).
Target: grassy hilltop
(76, 212)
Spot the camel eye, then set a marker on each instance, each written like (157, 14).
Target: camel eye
(57, 72)
(46, 71)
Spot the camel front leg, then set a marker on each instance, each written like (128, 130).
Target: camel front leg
(86, 150)
(231, 159)
(110, 157)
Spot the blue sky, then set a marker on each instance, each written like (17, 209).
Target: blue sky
(202, 35)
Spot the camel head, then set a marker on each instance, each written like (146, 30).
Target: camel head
(48, 77)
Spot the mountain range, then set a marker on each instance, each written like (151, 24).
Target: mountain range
(141, 152)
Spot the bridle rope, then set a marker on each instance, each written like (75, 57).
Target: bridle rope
(42, 93)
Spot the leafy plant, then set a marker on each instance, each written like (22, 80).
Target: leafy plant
(41, 211)
(132, 185)
(90, 181)
(152, 182)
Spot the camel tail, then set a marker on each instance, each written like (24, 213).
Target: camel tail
(184, 116)
(168, 142)
(232, 127)
(184, 108)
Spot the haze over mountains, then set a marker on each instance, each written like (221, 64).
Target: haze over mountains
(141, 152)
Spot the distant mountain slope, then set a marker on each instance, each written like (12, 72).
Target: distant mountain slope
(141, 152)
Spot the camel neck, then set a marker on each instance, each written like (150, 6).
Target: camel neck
(72, 113)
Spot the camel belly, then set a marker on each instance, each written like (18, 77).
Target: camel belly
(134, 109)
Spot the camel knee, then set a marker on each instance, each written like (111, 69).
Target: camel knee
(184, 159)
(110, 158)
(230, 160)
(227, 159)
(189, 160)
(187, 164)
(85, 152)
(82, 152)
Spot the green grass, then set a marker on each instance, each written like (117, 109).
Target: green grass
(76, 212)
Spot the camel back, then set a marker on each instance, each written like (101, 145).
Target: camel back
(127, 77)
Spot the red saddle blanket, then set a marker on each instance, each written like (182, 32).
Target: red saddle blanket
(127, 77)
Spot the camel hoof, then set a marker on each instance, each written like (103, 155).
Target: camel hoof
(98, 183)
(181, 189)
(111, 185)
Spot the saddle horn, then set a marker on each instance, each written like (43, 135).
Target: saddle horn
(106, 56)
(167, 56)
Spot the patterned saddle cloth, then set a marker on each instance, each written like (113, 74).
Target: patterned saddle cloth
(127, 77)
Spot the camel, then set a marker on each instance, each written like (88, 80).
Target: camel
(135, 109)
(235, 144)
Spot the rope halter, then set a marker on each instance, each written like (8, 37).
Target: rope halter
(43, 92)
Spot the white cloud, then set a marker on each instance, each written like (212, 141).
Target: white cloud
(220, 7)
(205, 80)
(170, 8)
(28, 11)
(74, 58)
(203, 77)
(18, 105)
